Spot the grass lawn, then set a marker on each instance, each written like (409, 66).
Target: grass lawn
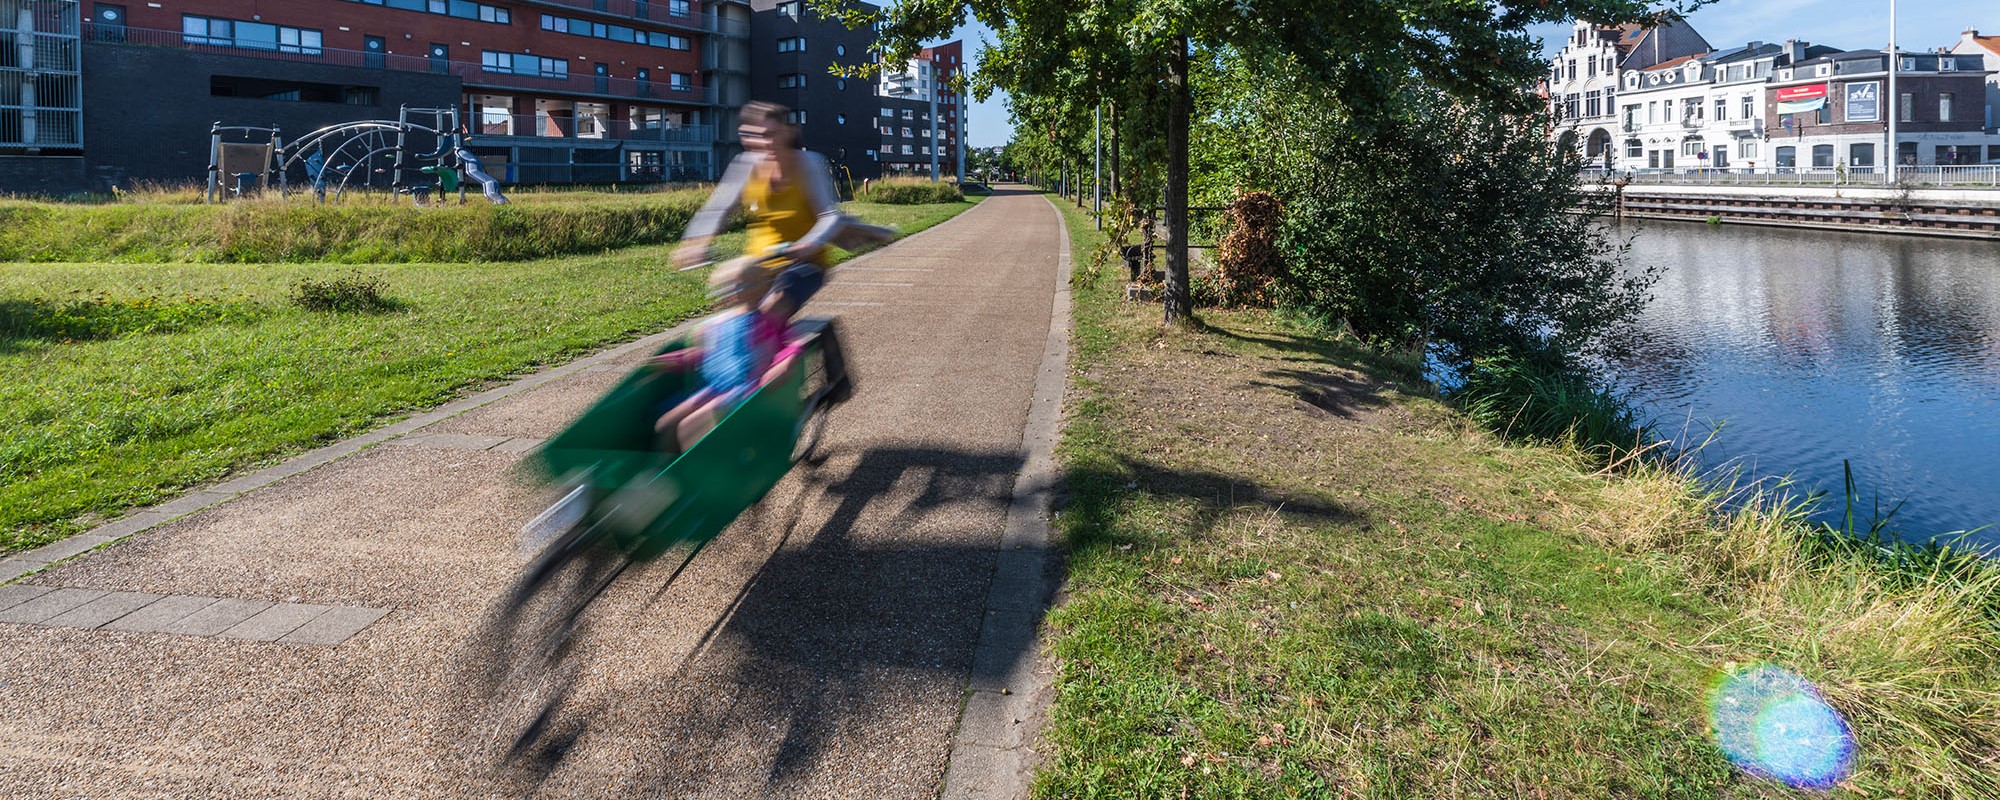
(1293, 574)
(125, 384)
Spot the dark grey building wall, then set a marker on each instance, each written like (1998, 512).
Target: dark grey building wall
(839, 113)
(43, 175)
(147, 110)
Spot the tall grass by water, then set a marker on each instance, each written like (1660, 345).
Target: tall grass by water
(1294, 573)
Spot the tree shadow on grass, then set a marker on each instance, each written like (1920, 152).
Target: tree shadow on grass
(865, 625)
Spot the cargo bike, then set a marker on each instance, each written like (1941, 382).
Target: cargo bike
(624, 502)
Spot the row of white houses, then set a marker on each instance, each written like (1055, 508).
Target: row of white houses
(1661, 99)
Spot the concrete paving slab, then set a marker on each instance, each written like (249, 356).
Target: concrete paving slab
(334, 626)
(216, 617)
(15, 566)
(120, 528)
(37, 609)
(276, 622)
(160, 614)
(14, 594)
(104, 609)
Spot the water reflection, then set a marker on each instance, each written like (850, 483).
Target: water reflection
(1812, 347)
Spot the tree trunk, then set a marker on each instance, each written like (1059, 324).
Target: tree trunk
(1179, 307)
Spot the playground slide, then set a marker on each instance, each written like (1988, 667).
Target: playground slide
(475, 171)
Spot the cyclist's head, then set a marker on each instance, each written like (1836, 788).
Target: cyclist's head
(765, 127)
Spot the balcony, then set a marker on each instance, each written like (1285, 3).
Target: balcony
(699, 135)
(471, 74)
(659, 12)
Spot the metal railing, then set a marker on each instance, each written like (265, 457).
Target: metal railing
(1966, 176)
(472, 74)
(654, 11)
(703, 135)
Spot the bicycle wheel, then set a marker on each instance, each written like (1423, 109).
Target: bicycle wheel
(828, 383)
(528, 642)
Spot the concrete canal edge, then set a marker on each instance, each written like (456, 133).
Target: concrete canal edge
(1941, 212)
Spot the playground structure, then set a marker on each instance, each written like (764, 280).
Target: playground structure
(364, 156)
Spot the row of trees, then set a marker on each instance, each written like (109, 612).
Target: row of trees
(1422, 205)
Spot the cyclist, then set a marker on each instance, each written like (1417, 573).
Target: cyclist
(793, 208)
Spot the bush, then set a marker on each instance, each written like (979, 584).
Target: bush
(355, 230)
(909, 192)
(356, 293)
(1247, 263)
(1547, 402)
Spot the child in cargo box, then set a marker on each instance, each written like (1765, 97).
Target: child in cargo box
(735, 351)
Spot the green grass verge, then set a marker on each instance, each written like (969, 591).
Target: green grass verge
(1292, 574)
(128, 383)
(354, 230)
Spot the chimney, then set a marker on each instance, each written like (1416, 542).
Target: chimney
(1795, 50)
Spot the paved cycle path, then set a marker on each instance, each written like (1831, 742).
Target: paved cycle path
(303, 639)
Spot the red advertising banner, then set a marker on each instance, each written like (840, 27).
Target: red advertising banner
(1791, 93)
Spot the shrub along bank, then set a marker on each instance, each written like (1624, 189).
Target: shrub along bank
(1293, 574)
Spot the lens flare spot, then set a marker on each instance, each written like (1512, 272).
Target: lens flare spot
(1774, 724)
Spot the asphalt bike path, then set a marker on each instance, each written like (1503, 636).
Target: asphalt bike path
(848, 638)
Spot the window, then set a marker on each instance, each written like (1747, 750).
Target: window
(463, 9)
(795, 80)
(1747, 149)
(1944, 107)
(1788, 157)
(840, 119)
(840, 49)
(1634, 148)
(791, 10)
(792, 44)
(250, 35)
(680, 81)
(1861, 154)
(1593, 103)
(678, 8)
(795, 117)
(1906, 107)
(1721, 109)
(1825, 116)
(1691, 147)
(523, 64)
(1822, 155)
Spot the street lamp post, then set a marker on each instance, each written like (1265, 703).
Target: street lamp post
(1894, 101)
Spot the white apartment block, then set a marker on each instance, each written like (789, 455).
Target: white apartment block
(1583, 83)
(1971, 43)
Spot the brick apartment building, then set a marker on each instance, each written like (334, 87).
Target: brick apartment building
(911, 97)
(101, 94)
(553, 91)
(1832, 111)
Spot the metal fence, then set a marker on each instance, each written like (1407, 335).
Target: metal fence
(41, 92)
(1961, 176)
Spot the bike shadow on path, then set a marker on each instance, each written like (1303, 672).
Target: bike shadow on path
(854, 643)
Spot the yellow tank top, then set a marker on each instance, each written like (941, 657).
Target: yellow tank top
(778, 216)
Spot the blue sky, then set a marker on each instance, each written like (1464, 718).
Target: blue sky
(1847, 24)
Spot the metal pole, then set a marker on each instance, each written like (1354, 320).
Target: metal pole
(1097, 167)
(934, 125)
(1895, 101)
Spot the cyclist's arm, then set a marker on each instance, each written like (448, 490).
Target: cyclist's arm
(727, 195)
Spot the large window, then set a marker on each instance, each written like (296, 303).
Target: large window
(1861, 154)
(616, 33)
(523, 64)
(463, 9)
(1749, 106)
(795, 80)
(1822, 155)
(792, 44)
(1944, 107)
(250, 35)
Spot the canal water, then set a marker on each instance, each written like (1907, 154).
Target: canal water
(1810, 347)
